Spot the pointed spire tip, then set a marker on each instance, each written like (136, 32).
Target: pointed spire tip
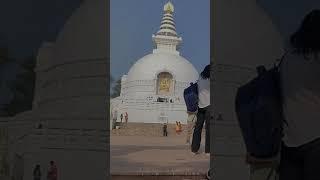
(168, 7)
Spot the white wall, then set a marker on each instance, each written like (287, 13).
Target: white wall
(144, 113)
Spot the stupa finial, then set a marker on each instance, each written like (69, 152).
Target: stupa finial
(167, 26)
(167, 39)
(168, 7)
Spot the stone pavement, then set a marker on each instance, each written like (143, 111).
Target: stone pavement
(143, 155)
(158, 177)
(145, 129)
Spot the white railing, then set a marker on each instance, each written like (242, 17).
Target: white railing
(149, 86)
(154, 106)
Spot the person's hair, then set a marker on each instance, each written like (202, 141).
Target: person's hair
(51, 162)
(205, 74)
(37, 168)
(306, 40)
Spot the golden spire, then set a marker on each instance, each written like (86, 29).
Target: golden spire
(167, 39)
(168, 7)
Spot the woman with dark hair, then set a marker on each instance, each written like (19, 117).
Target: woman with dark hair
(300, 71)
(203, 115)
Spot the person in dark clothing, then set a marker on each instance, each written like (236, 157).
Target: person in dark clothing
(165, 129)
(203, 115)
(126, 117)
(300, 72)
(37, 173)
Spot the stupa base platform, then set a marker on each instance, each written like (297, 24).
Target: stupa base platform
(147, 129)
(159, 177)
(144, 157)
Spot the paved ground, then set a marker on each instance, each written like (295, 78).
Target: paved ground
(142, 155)
(159, 177)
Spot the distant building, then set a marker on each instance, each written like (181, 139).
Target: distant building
(152, 91)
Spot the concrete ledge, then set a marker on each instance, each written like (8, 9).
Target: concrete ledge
(161, 177)
(148, 129)
(160, 173)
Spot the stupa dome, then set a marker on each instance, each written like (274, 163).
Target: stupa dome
(152, 90)
(165, 57)
(149, 66)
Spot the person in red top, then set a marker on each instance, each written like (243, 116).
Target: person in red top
(121, 117)
(52, 171)
(126, 117)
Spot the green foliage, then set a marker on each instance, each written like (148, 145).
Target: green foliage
(116, 90)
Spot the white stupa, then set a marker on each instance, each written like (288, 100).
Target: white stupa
(67, 123)
(152, 91)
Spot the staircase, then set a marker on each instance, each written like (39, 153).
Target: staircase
(147, 129)
(160, 177)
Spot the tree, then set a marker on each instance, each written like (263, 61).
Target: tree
(116, 89)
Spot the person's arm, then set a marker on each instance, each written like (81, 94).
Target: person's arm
(55, 172)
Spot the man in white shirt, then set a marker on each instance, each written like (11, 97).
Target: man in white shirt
(203, 115)
(300, 74)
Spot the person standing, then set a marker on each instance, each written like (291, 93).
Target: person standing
(126, 117)
(300, 72)
(203, 115)
(37, 173)
(165, 129)
(121, 117)
(180, 127)
(114, 119)
(52, 171)
(177, 127)
(192, 118)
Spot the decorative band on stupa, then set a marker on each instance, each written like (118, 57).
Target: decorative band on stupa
(167, 26)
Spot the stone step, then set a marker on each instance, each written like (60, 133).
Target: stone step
(178, 177)
(148, 129)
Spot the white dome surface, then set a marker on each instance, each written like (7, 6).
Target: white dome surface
(149, 66)
(84, 35)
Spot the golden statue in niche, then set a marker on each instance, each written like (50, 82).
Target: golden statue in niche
(164, 83)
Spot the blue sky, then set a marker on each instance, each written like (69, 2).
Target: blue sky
(134, 21)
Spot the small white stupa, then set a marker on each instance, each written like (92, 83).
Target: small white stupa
(152, 91)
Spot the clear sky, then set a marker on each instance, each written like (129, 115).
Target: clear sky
(134, 21)
(26, 24)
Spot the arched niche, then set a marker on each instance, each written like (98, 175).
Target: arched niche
(165, 83)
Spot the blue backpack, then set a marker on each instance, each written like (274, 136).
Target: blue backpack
(259, 110)
(190, 95)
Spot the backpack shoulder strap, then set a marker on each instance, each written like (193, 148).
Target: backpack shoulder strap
(283, 57)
